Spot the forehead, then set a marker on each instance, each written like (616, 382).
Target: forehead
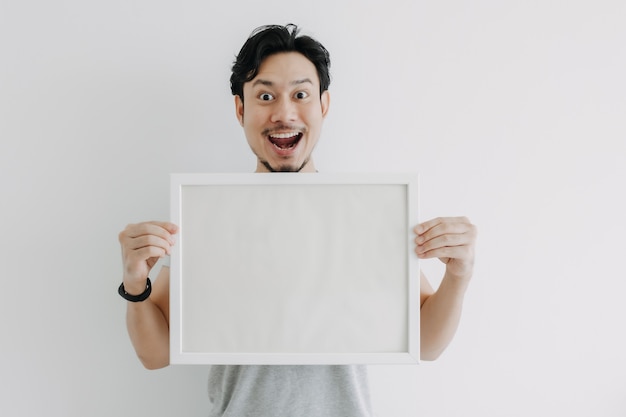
(283, 69)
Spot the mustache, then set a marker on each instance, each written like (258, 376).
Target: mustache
(283, 128)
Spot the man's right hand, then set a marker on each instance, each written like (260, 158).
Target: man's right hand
(142, 246)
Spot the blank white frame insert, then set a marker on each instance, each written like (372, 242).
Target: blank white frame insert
(289, 268)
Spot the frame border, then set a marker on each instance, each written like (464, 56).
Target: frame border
(178, 356)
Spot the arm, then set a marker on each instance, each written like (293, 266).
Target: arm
(452, 240)
(148, 321)
(148, 324)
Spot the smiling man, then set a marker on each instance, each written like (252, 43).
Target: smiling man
(280, 82)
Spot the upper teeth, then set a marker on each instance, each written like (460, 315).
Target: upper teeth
(284, 135)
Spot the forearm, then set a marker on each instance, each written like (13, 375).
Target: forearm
(149, 333)
(440, 315)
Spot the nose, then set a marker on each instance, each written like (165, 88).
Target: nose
(283, 111)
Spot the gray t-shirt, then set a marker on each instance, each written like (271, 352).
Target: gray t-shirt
(289, 390)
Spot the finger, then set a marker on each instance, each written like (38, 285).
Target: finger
(444, 228)
(146, 253)
(149, 228)
(170, 227)
(448, 252)
(162, 229)
(428, 225)
(443, 241)
(149, 240)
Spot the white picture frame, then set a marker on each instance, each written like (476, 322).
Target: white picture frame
(313, 269)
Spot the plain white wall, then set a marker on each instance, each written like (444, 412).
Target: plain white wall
(513, 113)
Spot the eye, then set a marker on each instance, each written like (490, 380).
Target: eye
(266, 97)
(300, 95)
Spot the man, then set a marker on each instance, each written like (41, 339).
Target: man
(280, 83)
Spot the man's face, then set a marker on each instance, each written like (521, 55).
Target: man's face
(282, 113)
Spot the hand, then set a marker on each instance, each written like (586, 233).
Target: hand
(142, 246)
(452, 240)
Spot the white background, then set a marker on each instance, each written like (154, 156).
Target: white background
(513, 113)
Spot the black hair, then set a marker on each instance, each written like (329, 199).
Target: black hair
(272, 39)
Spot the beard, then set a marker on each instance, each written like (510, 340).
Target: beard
(284, 168)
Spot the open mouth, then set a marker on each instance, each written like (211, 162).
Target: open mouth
(285, 141)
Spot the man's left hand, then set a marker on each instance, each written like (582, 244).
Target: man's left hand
(452, 240)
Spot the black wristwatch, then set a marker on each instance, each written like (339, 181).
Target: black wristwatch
(135, 298)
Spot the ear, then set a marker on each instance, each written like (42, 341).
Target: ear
(325, 100)
(239, 109)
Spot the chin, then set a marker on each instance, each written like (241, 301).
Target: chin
(284, 167)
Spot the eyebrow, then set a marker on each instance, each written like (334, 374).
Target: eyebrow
(268, 83)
